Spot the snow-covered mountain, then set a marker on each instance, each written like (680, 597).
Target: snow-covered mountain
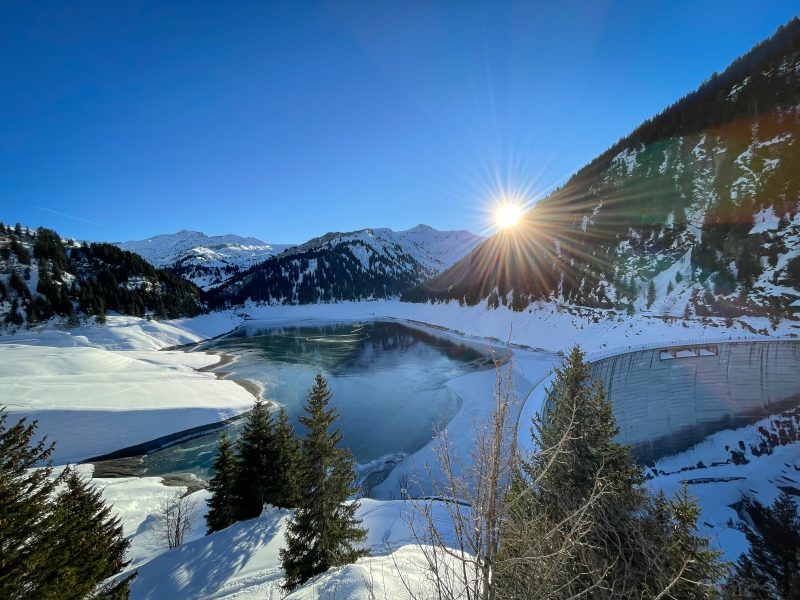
(696, 212)
(205, 260)
(364, 264)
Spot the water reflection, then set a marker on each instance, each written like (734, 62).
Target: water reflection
(388, 382)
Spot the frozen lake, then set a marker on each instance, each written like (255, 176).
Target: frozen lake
(389, 384)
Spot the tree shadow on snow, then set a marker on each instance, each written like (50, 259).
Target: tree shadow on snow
(199, 568)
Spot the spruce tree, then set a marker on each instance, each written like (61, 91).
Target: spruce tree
(24, 504)
(671, 525)
(222, 504)
(287, 464)
(88, 545)
(256, 482)
(62, 547)
(651, 293)
(324, 532)
(577, 457)
(624, 543)
(576, 404)
(770, 570)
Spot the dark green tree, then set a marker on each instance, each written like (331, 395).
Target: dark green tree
(651, 293)
(287, 464)
(62, 547)
(222, 504)
(770, 570)
(88, 545)
(324, 532)
(256, 481)
(24, 505)
(579, 510)
(683, 562)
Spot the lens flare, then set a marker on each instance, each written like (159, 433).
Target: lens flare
(508, 214)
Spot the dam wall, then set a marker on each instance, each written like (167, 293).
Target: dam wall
(667, 399)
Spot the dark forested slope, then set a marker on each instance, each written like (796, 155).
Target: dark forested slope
(696, 211)
(42, 276)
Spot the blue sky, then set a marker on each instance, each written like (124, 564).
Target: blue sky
(122, 120)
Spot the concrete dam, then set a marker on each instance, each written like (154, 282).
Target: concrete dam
(667, 399)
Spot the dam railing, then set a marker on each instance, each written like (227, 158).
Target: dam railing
(618, 350)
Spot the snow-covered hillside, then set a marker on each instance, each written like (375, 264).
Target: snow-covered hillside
(357, 265)
(435, 250)
(210, 261)
(696, 212)
(205, 260)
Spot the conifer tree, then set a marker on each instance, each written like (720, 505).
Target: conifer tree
(684, 562)
(222, 504)
(287, 464)
(60, 548)
(324, 532)
(578, 456)
(88, 545)
(579, 509)
(256, 482)
(771, 568)
(651, 293)
(24, 498)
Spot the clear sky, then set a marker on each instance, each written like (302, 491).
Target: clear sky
(121, 120)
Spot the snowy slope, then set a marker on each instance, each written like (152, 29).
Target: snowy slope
(205, 260)
(696, 212)
(357, 265)
(435, 250)
(96, 389)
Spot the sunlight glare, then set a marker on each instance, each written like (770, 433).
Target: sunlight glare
(508, 214)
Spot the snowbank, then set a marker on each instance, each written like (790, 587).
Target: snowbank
(98, 389)
(243, 561)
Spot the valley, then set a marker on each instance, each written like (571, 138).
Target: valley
(597, 395)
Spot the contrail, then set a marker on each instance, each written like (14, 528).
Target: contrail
(55, 212)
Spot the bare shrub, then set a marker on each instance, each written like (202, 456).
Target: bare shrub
(174, 518)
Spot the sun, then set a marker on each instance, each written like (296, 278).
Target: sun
(507, 214)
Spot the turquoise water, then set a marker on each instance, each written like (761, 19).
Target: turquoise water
(389, 384)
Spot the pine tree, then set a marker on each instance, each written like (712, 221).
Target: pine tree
(590, 452)
(287, 463)
(579, 509)
(52, 549)
(88, 543)
(222, 504)
(651, 293)
(256, 482)
(771, 568)
(324, 532)
(681, 550)
(24, 498)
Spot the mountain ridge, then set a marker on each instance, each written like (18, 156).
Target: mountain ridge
(356, 265)
(204, 260)
(706, 191)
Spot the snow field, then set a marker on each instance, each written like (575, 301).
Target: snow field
(95, 390)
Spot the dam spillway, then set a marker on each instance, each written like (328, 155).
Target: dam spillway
(667, 399)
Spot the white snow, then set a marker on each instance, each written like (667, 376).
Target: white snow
(119, 371)
(243, 560)
(720, 483)
(765, 220)
(167, 249)
(96, 389)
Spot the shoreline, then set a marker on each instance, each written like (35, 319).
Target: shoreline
(249, 385)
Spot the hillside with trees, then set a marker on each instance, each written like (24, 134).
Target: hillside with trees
(43, 276)
(694, 213)
(358, 265)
